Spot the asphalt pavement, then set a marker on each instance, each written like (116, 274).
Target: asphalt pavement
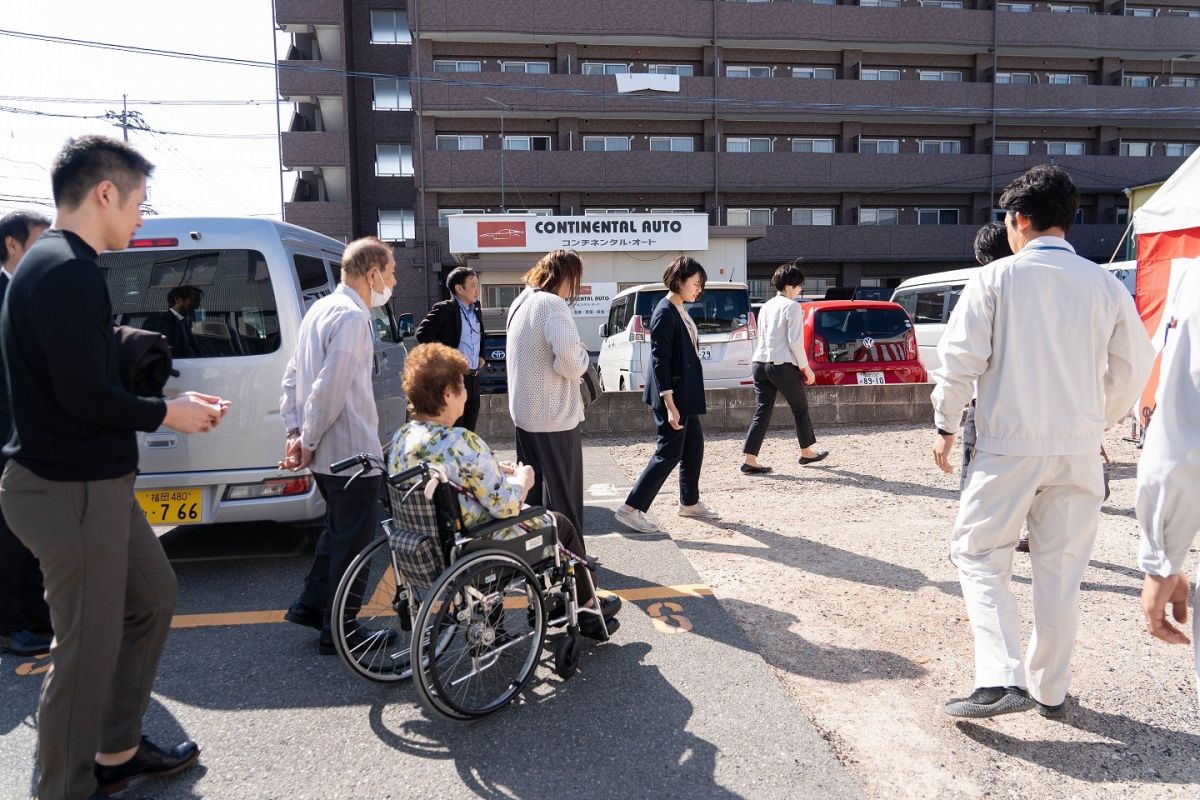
(677, 704)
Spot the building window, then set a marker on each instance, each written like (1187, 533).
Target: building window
(1137, 149)
(459, 142)
(1139, 12)
(814, 73)
(444, 215)
(1016, 8)
(1066, 79)
(1011, 147)
(937, 216)
(940, 147)
(813, 146)
(609, 144)
(672, 144)
(888, 147)
(1021, 78)
(672, 211)
(682, 70)
(501, 296)
(1058, 9)
(1138, 81)
(817, 2)
(998, 214)
(1194, 13)
(878, 216)
(390, 27)
(392, 94)
(446, 65)
(873, 74)
(748, 144)
(393, 159)
(948, 75)
(526, 67)
(1078, 220)
(879, 3)
(1182, 82)
(1176, 149)
(537, 212)
(600, 212)
(603, 68)
(527, 143)
(1064, 148)
(812, 216)
(1122, 215)
(956, 4)
(396, 226)
(748, 216)
(748, 72)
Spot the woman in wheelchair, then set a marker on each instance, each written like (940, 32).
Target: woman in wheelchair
(433, 382)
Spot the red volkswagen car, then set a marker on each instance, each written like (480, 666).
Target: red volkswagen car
(861, 342)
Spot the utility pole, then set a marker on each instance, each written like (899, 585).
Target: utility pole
(504, 108)
(126, 119)
(124, 116)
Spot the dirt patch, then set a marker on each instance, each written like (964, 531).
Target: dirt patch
(839, 574)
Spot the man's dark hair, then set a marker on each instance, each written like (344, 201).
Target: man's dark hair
(88, 160)
(991, 242)
(458, 277)
(180, 293)
(788, 274)
(19, 225)
(1046, 195)
(682, 269)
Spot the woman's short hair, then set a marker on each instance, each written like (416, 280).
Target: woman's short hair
(363, 255)
(680, 270)
(552, 269)
(788, 274)
(429, 371)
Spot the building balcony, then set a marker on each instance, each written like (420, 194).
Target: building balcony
(313, 149)
(331, 219)
(299, 78)
(568, 20)
(563, 171)
(308, 12)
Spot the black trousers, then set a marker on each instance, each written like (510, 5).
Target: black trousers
(351, 520)
(770, 380)
(557, 461)
(22, 595)
(471, 411)
(683, 448)
(568, 537)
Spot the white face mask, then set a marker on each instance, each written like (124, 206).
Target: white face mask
(379, 298)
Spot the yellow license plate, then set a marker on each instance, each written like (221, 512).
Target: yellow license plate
(172, 506)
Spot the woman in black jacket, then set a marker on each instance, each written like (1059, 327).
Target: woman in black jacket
(675, 391)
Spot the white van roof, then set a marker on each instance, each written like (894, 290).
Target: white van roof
(709, 286)
(181, 228)
(939, 278)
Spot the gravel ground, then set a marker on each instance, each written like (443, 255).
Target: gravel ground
(839, 574)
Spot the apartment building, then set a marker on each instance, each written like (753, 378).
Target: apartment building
(870, 139)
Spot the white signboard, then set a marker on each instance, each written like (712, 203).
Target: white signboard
(594, 299)
(521, 233)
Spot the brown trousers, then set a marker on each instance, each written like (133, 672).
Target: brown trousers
(111, 593)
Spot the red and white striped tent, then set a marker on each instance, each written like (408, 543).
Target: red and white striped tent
(1168, 241)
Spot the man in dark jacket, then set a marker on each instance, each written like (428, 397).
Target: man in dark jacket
(24, 616)
(458, 323)
(175, 323)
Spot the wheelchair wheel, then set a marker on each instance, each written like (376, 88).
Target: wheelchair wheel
(566, 654)
(372, 623)
(486, 617)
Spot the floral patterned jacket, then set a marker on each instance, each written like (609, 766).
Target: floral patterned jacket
(470, 463)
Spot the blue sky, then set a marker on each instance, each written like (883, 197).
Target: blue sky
(194, 175)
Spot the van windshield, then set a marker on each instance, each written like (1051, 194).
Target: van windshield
(716, 310)
(208, 303)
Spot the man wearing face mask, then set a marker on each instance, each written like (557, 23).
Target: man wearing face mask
(328, 406)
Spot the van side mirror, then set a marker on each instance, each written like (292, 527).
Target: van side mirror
(604, 330)
(406, 325)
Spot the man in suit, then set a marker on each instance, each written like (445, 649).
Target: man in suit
(24, 616)
(175, 323)
(458, 323)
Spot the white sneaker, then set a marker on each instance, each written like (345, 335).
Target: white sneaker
(637, 520)
(698, 510)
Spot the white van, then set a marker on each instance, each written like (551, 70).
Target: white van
(929, 299)
(723, 320)
(256, 279)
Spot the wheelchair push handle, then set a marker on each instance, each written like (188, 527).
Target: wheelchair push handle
(365, 460)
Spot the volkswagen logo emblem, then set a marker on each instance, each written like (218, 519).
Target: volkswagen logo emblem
(868, 342)
(497, 355)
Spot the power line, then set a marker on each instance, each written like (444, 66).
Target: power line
(136, 102)
(115, 115)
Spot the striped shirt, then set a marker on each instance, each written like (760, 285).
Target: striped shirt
(327, 388)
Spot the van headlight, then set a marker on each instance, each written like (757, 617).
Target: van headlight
(276, 487)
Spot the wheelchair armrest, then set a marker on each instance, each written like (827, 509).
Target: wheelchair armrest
(495, 526)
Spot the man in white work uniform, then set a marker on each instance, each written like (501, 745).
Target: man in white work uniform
(1052, 346)
(1168, 506)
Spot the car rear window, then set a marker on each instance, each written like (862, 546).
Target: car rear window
(236, 313)
(716, 310)
(845, 331)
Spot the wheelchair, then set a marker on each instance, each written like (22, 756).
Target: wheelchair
(462, 611)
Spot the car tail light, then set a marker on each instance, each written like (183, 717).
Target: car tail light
(159, 242)
(277, 487)
(820, 348)
(747, 331)
(910, 339)
(637, 331)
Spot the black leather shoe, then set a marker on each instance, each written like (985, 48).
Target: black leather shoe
(301, 614)
(610, 605)
(150, 761)
(589, 626)
(26, 643)
(1052, 712)
(820, 456)
(749, 469)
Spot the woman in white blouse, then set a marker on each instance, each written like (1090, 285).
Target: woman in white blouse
(781, 365)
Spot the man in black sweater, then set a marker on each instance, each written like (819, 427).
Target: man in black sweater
(458, 323)
(24, 615)
(67, 490)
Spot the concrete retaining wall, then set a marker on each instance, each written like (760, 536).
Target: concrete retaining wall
(620, 413)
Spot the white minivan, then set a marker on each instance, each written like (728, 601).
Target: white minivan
(723, 320)
(255, 279)
(929, 299)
